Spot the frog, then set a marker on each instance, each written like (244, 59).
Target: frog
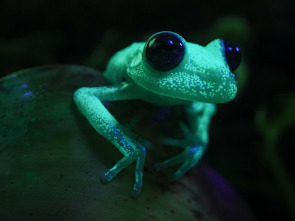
(165, 71)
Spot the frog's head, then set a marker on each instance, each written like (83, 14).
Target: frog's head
(169, 66)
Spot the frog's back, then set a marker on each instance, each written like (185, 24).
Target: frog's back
(116, 69)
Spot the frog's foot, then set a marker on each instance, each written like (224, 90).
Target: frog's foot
(188, 159)
(141, 141)
(174, 142)
(120, 165)
(189, 138)
(139, 157)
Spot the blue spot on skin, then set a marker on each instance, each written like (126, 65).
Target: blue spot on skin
(122, 139)
(28, 94)
(194, 149)
(24, 85)
(106, 103)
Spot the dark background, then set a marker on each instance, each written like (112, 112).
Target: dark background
(251, 138)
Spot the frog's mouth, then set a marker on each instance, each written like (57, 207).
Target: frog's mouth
(194, 88)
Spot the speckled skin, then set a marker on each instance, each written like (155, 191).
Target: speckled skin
(202, 78)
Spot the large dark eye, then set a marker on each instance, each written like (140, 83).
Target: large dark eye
(164, 50)
(232, 54)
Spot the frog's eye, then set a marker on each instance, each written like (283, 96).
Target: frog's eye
(232, 54)
(164, 50)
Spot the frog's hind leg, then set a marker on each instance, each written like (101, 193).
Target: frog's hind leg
(188, 159)
(195, 141)
(193, 156)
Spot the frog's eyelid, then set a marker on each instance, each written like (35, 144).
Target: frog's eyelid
(216, 47)
(220, 48)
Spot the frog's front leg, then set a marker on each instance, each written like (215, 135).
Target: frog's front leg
(89, 102)
(195, 141)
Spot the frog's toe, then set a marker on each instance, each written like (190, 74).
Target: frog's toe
(185, 129)
(105, 178)
(192, 157)
(180, 158)
(173, 142)
(137, 189)
(186, 166)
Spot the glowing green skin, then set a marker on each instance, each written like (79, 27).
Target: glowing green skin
(203, 77)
